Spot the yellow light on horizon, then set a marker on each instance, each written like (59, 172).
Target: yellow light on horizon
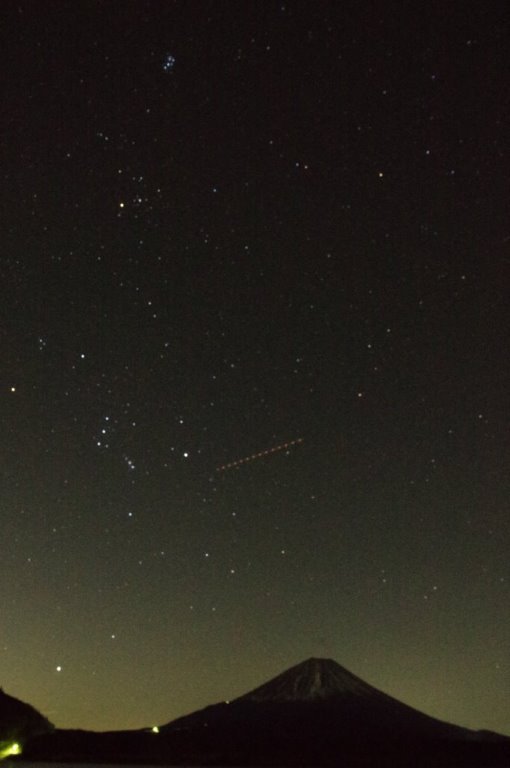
(155, 729)
(14, 748)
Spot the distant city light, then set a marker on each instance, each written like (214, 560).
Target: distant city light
(9, 748)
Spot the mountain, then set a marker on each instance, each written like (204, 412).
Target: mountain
(314, 714)
(319, 714)
(312, 679)
(18, 723)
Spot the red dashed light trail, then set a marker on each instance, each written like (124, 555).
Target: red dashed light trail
(259, 455)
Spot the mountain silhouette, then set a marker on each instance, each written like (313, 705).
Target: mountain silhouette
(312, 679)
(320, 686)
(315, 714)
(318, 713)
(19, 722)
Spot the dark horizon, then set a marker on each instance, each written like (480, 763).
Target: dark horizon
(334, 680)
(316, 713)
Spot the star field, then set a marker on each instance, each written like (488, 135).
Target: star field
(270, 239)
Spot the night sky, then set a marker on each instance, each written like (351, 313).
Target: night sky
(227, 228)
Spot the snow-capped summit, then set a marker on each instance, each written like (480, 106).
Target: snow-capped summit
(312, 679)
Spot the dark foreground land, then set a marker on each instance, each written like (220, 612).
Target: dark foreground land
(244, 747)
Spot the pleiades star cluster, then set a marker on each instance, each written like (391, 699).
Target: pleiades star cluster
(254, 367)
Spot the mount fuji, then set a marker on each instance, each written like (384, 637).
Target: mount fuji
(318, 713)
